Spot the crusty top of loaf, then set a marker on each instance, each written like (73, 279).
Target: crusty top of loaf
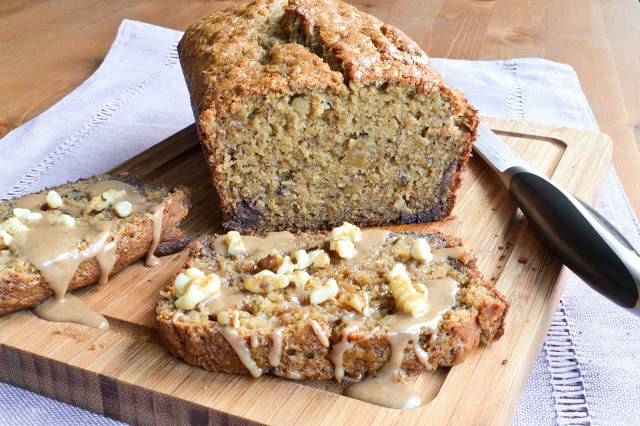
(280, 46)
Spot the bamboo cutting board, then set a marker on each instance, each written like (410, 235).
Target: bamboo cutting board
(125, 374)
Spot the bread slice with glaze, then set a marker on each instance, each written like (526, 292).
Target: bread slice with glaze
(36, 224)
(223, 313)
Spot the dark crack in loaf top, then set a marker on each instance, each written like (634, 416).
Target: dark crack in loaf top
(303, 104)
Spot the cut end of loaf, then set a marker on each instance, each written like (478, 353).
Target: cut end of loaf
(375, 155)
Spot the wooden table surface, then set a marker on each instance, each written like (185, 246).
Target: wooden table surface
(49, 47)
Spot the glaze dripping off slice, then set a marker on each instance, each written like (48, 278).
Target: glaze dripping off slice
(79, 234)
(350, 304)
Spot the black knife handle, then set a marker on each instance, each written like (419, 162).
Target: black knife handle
(581, 238)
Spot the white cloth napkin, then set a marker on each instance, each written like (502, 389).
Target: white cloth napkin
(589, 369)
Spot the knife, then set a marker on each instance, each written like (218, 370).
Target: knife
(578, 235)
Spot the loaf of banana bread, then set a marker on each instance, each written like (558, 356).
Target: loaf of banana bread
(312, 113)
(345, 304)
(81, 233)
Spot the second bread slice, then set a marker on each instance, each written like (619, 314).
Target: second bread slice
(321, 305)
(82, 232)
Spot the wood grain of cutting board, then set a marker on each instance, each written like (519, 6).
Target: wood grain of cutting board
(125, 374)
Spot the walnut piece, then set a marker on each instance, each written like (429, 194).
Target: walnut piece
(298, 278)
(408, 299)
(104, 200)
(18, 212)
(185, 278)
(27, 214)
(235, 246)
(198, 290)
(123, 208)
(230, 317)
(286, 267)
(265, 282)
(358, 301)
(13, 225)
(271, 261)
(421, 251)
(345, 249)
(315, 258)
(324, 293)
(54, 200)
(342, 239)
(402, 248)
(5, 240)
(66, 220)
(322, 260)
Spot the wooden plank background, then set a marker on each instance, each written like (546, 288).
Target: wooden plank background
(51, 46)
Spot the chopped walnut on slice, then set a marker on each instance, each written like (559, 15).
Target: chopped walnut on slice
(235, 246)
(185, 278)
(193, 286)
(408, 299)
(198, 290)
(324, 293)
(342, 239)
(123, 208)
(66, 220)
(54, 200)
(299, 278)
(272, 261)
(265, 282)
(104, 200)
(27, 215)
(286, 267)
(345, 249)
(315, 258)
(421, 251)
(275, 262)
(13, 225)
(5, 240)
(402, 248)
(229, 317)
(358, 300)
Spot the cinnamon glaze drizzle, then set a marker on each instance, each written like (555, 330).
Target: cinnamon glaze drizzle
(402, 330)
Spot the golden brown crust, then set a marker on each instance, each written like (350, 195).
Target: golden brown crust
(24, 287)
(246, 64)
(227, 57)
(478, 316)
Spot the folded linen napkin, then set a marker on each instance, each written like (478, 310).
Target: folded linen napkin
(588, 369)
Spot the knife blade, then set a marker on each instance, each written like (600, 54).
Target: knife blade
(579, 236)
